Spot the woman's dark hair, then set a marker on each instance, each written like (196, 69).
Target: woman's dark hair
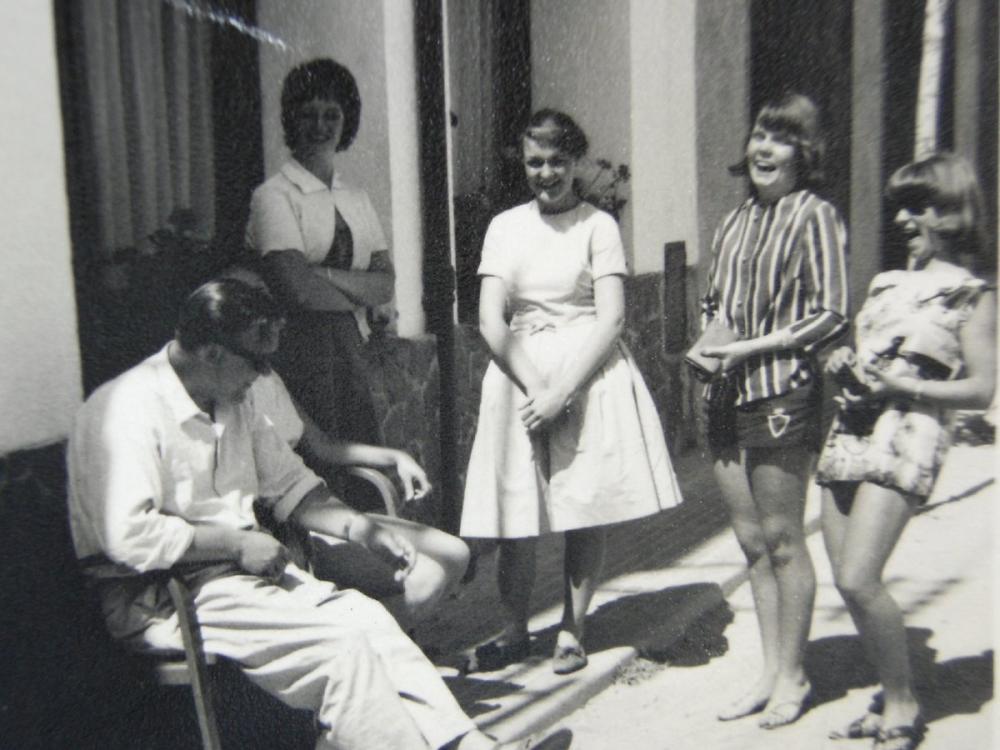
(948, 183)
(551, 127)
(795, 118)
(326, 79)
(220, 311)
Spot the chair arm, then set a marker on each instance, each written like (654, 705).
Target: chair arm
(386, 489)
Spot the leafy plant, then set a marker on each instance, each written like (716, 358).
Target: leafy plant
(604, 185)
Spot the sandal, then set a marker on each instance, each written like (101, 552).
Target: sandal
(787, 712)
(911, 734)
(864, 726)
(568, 659)
(743, 709)
(495, 655)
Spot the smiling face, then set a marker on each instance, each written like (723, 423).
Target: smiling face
(318, 126)
(550, 173)
(771, 164)
(920, 226)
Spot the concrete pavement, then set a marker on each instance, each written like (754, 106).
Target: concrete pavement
(672, 635)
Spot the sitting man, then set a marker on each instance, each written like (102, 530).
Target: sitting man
(165, 464)
(441, 559)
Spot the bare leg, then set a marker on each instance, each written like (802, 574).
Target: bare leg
(731, 474)
(441, 562)
(836, 502)
(516, 579)
(777, 478)
(874, 526)
(583, 563)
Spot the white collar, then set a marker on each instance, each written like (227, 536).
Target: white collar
(305, 180)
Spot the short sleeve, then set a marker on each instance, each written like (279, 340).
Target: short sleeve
(495, 260)
(272, 398)
(283, 478)
(607, 255)
(375, 232)
(273, 224)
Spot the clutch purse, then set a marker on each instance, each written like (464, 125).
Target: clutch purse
(715, 334)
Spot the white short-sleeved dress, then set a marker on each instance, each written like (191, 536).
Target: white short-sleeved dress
(605, 460)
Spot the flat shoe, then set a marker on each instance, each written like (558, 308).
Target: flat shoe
(568, 659)
(911, 734)
(786, 712)
(493, 655)
(864, 726)
(747, 709)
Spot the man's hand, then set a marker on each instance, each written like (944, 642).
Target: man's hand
(262, 555)
(394, 550)
(415, 482)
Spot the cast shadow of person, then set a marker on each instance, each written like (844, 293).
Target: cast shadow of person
(681, 625)
(654, 623)
(958, 686)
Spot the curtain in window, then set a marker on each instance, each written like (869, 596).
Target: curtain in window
(143, 68)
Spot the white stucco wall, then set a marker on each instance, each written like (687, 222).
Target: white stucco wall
(663, 158)
(40, 386)
(382, 159)
(580, 64)
(625, 71)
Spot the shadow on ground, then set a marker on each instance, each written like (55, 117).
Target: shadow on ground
(648, 622)
(559, 740)
(958, 686)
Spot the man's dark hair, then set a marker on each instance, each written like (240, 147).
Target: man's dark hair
(220, 311)
(325, 79)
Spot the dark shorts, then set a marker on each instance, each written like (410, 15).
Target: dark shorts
(791, 419)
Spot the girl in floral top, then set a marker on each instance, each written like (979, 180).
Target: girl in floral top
(925, 343)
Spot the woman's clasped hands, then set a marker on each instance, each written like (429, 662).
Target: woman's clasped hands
(543, 407)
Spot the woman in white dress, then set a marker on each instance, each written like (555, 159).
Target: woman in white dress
(568, 438)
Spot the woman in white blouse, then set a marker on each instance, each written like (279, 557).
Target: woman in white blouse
(323, 252)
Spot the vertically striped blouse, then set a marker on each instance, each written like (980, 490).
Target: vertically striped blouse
(777, 267)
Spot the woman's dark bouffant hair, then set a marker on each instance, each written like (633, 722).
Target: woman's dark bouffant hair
(948, 183)
(551, 127)
(322, 78)
(796, 118)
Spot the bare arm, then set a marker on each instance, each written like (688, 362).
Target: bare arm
(318, 444)
(978, 338)
(369, 288)
(321, 512)
(507, 352)
(302, 286)
(548, 404)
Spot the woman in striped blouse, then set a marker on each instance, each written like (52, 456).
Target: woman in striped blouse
(778, 282)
